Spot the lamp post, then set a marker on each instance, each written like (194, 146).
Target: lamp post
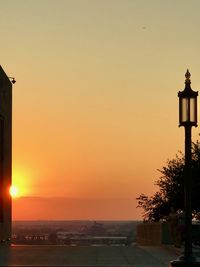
(187, 119)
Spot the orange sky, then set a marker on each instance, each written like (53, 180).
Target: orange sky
(95, 107)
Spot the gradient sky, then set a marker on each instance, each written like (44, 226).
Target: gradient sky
(95, 107)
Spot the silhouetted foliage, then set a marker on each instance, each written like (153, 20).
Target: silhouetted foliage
(171, 188)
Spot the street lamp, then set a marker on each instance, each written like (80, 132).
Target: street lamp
(187, 118)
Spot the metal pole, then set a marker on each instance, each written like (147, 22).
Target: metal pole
(188, 256)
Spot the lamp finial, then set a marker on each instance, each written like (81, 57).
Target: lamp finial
(187, 76)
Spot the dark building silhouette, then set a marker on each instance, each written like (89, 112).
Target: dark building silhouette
(5, 155)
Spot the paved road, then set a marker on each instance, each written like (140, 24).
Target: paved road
(105, 256)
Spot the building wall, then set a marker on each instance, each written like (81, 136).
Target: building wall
(5, 154)
(153, 234)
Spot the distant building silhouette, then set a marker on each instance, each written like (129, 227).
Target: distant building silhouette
(5, 155)
(97, 229)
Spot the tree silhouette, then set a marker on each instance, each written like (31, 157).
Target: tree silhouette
(171, 188)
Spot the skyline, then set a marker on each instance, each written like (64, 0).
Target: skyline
(95, 106)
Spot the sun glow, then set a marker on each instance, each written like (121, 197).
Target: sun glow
(14, 191)
(21, 185)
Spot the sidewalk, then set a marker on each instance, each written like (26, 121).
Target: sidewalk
(104, 256)
(179, 251)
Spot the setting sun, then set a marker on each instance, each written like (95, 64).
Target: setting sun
(21, 178)
(14, 191)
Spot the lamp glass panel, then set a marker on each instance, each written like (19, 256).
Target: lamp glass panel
(193, 109)
(184, 109)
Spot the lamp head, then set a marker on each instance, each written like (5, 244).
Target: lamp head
(187, 104)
